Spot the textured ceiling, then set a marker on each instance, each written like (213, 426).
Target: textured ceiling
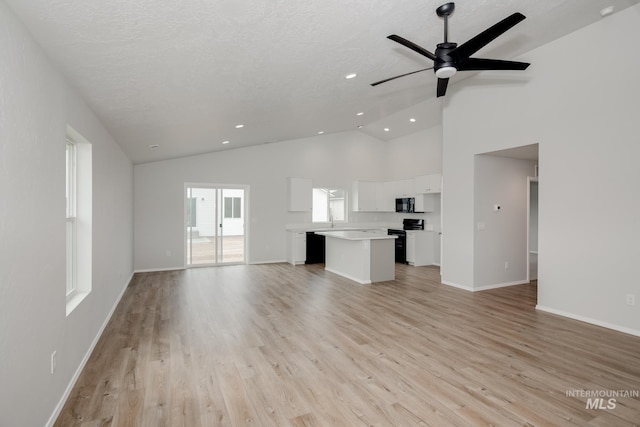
(183, 73)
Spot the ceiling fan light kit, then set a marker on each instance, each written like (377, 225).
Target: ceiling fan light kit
(449, 58)
(446, 72)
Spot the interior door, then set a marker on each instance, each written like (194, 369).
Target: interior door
(214, 225)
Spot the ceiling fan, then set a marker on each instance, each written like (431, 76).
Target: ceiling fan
(451, 58)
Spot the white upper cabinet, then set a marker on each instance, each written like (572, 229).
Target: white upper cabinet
(385, 201)
(372, 196)
(299, 194)
(364, 196)
(425, 184)
(401, 188)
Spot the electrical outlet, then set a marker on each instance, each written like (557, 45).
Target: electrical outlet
(54, 361)
(506, 265)
(631, 299)
(168, 252)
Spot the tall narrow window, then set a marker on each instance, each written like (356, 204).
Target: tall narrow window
(79, 188)
(71, 174)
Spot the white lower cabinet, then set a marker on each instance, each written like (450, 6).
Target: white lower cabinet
(296, 247)
(420, 247)
(411, 248)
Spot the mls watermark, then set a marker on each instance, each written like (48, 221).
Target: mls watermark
(603, 399)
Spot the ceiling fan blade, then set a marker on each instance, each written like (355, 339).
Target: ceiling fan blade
(476, 64)
(411, 45)
(465, 50)
(401, 75)
(442, 87)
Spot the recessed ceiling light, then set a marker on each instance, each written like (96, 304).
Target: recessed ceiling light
(225, 142)
(360, 113)
(386, 129)
(350, 76)
(360, 126)
(239, 126)
(154, 146)
(321, 132)
(606, 11)
(412, 120)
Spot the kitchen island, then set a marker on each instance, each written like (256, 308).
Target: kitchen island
(363, 256)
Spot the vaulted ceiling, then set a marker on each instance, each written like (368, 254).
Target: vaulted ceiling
(183, 74)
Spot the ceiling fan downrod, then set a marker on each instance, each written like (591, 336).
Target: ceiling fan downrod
(443, 12)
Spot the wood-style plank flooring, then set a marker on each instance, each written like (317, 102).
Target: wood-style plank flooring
(278, 345)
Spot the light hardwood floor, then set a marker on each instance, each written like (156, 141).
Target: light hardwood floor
(277, 345)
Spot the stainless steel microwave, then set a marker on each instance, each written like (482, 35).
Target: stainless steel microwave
(406, 205)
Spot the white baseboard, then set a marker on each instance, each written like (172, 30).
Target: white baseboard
(486, 287)
(500, 285)
(589, 320)
(268, 262)
(455, 285)
(365, 282)
(85, 359)
(153, 270)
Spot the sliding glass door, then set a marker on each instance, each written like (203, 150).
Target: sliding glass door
(214, 225)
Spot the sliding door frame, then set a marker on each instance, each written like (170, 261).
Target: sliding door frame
(245, 214)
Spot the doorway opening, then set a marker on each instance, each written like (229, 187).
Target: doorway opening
(215, 225)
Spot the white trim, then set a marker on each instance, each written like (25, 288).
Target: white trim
(530, 179)
(455, 285)
(362, 282)
(486, 287)
(218, 191)
(153, 270)
(74, 299)
(500, 285)
(596, 322)
(281, 261)
(85, 359)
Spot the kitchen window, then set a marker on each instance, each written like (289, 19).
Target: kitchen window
(329, 205)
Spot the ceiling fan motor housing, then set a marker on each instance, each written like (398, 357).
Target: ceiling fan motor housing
(443, 60)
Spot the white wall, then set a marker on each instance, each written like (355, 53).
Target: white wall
(500, 181)
(417, 154)
(329, 160)
(35, 107)
(586, 125)
(333, 161)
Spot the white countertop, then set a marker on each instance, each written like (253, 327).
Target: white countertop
(356, 235)
(340, 227)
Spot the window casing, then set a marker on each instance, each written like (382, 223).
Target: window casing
(71, 219)
(79, 218)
